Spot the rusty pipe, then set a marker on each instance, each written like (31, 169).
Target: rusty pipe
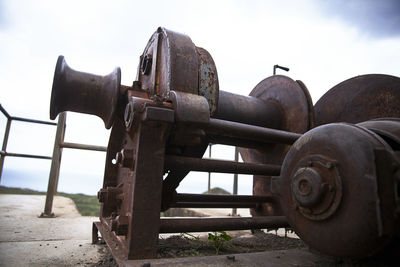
(223, 166)
(221, 224)
(248, 110)
(250, 132)
(214, 205)
(221, 198)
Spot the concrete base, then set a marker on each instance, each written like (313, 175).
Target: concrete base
(27, 240)
(290, 257)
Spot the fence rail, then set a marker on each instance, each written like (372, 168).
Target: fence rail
(59, 144)
(4, 152)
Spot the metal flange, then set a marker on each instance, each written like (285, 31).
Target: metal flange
(292, 100)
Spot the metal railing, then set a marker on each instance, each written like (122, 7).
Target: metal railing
(59, 144)
(3, 152)
(235, 176)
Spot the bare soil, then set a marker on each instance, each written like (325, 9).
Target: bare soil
(178, 246)
(242, 242)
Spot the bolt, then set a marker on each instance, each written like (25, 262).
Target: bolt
(118, 158)
(125, 158)
(129, 115)
(146, 64)
(307, 187)
(304, 187)
(102, 195)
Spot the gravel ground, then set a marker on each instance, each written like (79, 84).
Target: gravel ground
(185, 245)
(179, 246)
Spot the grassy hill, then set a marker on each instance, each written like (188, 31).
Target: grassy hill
(217, 191)
(87, 205)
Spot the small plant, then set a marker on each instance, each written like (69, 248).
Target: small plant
(218, 239)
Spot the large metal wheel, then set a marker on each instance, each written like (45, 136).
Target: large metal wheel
(295, 107)
(360, 99)
(340, 188)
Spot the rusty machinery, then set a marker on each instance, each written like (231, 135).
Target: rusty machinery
(330, 171)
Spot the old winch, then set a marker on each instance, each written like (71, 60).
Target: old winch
(329, 171)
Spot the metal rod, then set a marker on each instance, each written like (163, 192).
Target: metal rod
(221, 224)
(83, 146)
(213, 205)
(224, 140)
(4, 112)
(209, 173)
(7, 154)
(55, 166)
(222, 166)
(250, 132)
(5, 140)
(33, 121)
(235, 180)
(279, 67)
(221, 198)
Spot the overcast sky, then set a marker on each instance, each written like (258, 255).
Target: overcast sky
(322, 42)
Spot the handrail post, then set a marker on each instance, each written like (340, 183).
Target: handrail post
(235, 180)
(55, 166)
(209, 173)
(4, 147)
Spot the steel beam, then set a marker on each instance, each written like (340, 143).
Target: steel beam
(221, 224)
(222, 166)
(250, 132)
(83, 146)
(221, 198)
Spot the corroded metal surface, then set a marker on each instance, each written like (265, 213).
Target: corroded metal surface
(360, 99)
(84, 92)
(293, 103)
(208, 79)
(329, 191)
(169, 62)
